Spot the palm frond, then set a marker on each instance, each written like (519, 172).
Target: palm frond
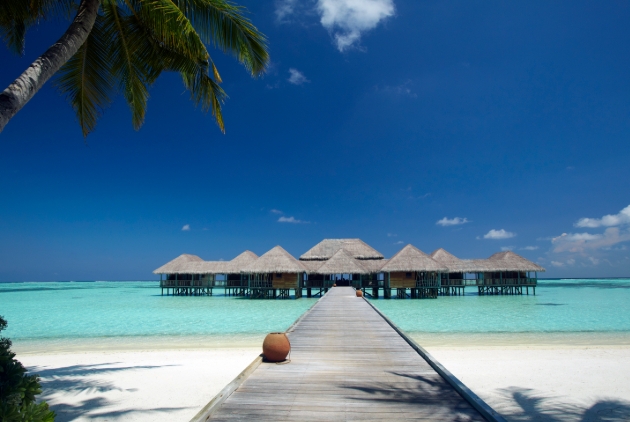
(222, 24)
(170, 26)
(16, 16)
(86, 78)
(130, 56)
(204, 91)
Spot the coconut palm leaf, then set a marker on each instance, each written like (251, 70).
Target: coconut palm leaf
(130, 52)
(86, 78)
(16, 16)
(222, 24)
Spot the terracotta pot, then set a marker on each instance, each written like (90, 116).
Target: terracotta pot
(359, 293)
(276, 347)
(335, 285)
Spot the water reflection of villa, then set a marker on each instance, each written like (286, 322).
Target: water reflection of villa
(351, 262)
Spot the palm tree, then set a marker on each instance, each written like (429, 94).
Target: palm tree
(123, 46)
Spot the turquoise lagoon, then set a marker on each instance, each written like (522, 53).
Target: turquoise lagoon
(55, 316)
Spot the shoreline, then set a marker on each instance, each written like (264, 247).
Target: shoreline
(545, 340)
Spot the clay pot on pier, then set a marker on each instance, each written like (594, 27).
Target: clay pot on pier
(276, 347)
(359, 293)
(335, 285)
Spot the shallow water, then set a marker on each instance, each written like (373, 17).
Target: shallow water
(561, 311)
(101, 315)
(73, 313)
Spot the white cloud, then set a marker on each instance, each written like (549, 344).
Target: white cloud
(284, 9)
(400, 242)
(581, 242)
(452, 222)
(296, 77)
(623, 217)
(391, 235)
(402, 90)
(593, 260)
(275, 211)
(557, 264)
(530, 248)
(507, 248)
(186, 228)
(292, 220)
(498, 234)
(347, 20)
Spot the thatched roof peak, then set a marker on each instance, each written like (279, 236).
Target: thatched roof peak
(511, 261)
(444, 257)
(342, 263)
(411, 258)
(356, 248)
(276, 260)
(177, 264)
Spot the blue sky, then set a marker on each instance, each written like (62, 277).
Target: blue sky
(508, 122)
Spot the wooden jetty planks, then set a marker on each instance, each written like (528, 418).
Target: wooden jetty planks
(347, 363)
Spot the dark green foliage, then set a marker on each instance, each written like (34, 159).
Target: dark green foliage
(134, 41)
(17, 389)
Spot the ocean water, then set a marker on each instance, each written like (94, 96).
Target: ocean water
(60, 315)
(569, 311)
(93, 315)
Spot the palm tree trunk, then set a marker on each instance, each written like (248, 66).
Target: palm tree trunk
(26, 86)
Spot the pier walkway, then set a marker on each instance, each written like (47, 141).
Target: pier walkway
(347, 363)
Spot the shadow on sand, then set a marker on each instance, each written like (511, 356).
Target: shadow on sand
(516, 404)
(80, 379)
(531, 405)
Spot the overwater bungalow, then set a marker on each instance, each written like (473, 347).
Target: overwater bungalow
(502, 273)
(274, 275)
(190, 275)
(351, 262)
(355, 264)
(413, 270)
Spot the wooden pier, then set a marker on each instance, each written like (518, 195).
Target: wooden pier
(347, 363)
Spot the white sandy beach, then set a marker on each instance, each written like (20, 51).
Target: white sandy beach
(524, 383)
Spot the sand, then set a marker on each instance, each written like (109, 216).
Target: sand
(539, 383)
(524, 383)
(135, 386)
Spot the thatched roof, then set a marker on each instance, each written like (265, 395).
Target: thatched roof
(342, 263)
(241, 261)
(501, 261)
(411, 258)
(356, 248)
(444, 257)
(510, 261)
(312, 266)
(373, 265)
(276, 260)
(178, 264)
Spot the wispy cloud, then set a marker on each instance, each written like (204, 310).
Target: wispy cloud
(347, 20)
(498, 234)
(275, 211)
(284, 9)
(610, 220)
(507, 248)
(292, 220)
(582, 242)
(452, 221)
(296, 77)
(391, 235)
(530, 248)
(186, 228)
(402, 90)
(400, 242)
